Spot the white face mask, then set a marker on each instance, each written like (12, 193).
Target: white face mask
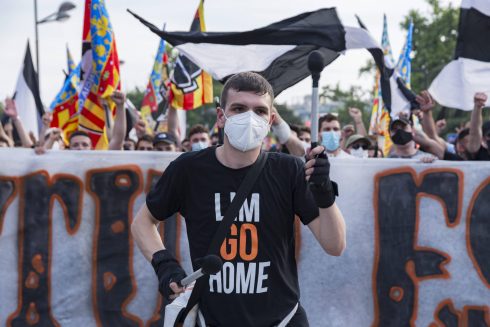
(197, 146)
(359, 153)
(246, 131)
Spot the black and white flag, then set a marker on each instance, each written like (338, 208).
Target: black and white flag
(279, 51)
(469, 72)
(27, 97)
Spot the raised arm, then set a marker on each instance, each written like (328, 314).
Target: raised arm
(427, 103)
(283, 133)
(356, 115)
(475, 137)
(119, 130)
(11, 111)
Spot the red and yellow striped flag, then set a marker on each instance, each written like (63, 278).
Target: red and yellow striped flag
(100, 73)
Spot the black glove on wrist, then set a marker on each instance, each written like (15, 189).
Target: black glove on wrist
(323, 189)
(168, 270)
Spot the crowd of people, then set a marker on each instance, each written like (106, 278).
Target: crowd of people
(420, 141)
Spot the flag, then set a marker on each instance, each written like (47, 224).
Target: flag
(469, 72)
(404, 65)
(100, 73)
(155, 90)
(380, 117)
(69, 61)
(279, 51)
(27, 97)
(65, 105)
(191, 87)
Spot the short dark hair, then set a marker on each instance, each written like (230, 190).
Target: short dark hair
(328, 118)
(145, 137)
(196, 129)
(247, 82)
(77, 133)
(304, 129)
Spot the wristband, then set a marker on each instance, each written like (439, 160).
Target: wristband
(282, 131)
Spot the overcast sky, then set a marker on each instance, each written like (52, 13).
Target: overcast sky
(137, 45)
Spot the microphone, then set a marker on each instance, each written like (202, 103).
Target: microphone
(316, 62)
(211, 264)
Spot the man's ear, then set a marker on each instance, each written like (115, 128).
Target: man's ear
(220, 117)
(273, 119)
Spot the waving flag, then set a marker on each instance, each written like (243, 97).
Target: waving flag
(27, 96)
(469, 72)
(404, 65)
(380, 117)
(279, 52)
(65, 105)
(100, 73)
(155, 91)
(69, 61)
(191, 87)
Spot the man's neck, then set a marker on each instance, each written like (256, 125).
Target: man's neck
(406, 150)
(235, 159)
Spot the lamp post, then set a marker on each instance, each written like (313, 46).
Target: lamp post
(58, 16)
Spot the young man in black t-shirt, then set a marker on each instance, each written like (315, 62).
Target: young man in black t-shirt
(258, 284)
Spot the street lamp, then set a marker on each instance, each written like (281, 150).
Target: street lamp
(59, 16)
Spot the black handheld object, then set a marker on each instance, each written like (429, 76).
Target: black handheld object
(211, 264)
(316, 63)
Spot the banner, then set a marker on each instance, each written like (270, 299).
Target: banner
(418, 243)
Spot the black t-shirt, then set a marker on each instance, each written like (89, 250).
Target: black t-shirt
(482, 154)
(451, 156)
(258, 284)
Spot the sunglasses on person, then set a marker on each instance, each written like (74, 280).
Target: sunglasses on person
(363, 146)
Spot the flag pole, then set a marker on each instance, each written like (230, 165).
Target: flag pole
(315, 66)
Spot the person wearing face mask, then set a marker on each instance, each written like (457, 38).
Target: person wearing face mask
(331, 136)
(199, 137)
(402, 136)
(358, 146)
(201, 186)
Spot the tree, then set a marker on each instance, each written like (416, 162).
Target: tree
(434, 41)
(355, 97)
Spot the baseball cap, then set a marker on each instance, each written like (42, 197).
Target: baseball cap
(402, 120)
(164, 137)
(356, 137)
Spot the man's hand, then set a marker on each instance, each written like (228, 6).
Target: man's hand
(425, 100)
(10, 109)
(119, 98)
(317, 172)
(440, 125)
(55, 134)
(47, 119)
(480, 99)
(140, 127)
(355, 114)
(169, 274)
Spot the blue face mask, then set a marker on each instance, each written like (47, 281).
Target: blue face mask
(197, 146)
(331, 140)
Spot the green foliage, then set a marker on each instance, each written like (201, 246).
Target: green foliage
(434, 41)
(136, 97)
(354, 97)
(287, 114)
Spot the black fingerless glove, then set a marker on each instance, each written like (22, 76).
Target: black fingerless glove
(323, 189)
(168, 270)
